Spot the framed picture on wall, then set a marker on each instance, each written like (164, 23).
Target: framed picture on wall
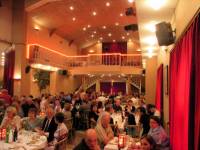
(166, 80)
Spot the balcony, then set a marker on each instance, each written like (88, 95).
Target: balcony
(112, 63)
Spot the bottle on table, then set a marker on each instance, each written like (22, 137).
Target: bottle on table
(15, 135)
(10, 139)
(7, 135)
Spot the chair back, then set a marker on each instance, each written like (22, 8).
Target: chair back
(68, 123)
(61, 145)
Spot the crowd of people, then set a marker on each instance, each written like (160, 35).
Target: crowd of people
(91, 112)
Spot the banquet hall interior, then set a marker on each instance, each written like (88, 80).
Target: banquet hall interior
(86, 74)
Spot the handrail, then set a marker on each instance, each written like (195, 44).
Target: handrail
(40, 54)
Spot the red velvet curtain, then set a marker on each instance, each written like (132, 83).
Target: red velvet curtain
(159, 89)
(8, 78)
(105, 87)
(180, 76)
(196, 88)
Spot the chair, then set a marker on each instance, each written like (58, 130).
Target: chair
(93, 124)
(61, 145)
(68, 123)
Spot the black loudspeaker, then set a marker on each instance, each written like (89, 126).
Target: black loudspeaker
(62, 72)
(130, 11)
(27, 69)
(164, 34)
(131, 27)
(143, 71)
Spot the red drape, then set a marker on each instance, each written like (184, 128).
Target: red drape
(8, 79)
(159, 89)
(196, 88)
(180, 80)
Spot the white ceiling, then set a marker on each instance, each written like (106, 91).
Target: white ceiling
(146, 15)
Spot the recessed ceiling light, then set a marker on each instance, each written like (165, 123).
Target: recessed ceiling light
(123, 37)
(104, 27)
(116, 23)
(98, 41)
(71, 8)
(3, 53)
(130, 1)
(101, 38)
(109, 34)
(121, 14)
(114, 40)
(88, 25)
(92, 35)
(107, 4)
(94, 13)
(127, 34)
(73, 18)
(84, 29)
(95, 32)
(129, 40)
(91, 51)
(139, 50)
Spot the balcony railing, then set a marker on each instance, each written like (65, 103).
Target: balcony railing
(38, 54)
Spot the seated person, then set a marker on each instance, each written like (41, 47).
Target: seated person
(49, 125)
(62, 130)
(93, 116)
(103, 129)
(157, 132)
(11, 120)
(90, 141)
(32, 121)
(116, 106)
(109, 109)
(2, 110)
(146, 143)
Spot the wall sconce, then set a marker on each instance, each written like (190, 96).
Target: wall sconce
(17, 77)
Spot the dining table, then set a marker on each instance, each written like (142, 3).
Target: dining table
(27, 140)
(113, 144)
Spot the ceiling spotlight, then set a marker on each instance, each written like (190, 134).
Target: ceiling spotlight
(91, 51)
(94, 13)
(73, 18)
(116, 23)
(127, 34)
(101, 38)
(123, 37)
(109, 34)
(92, 35)
(139, 50)
(107, 4)
(71, 8)
(156, 4)
(114, 40)
(95, 32)
(129, 40)
(104, 27)
(130, 1)
(88, 25)
(84, 29)
(121, 14)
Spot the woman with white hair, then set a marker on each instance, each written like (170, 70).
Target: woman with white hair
(103, 129)
(11, 120)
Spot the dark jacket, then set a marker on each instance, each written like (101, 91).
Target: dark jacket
(52, 127)
(82, 146)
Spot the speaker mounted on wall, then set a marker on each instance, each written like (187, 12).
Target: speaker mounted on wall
(62, 72)
(164, 34)
(130, 11)
(131, 27)
(27, 69)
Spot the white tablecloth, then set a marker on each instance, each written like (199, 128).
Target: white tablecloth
(26, 141)
(113, 145)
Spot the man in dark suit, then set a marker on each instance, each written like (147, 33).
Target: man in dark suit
(49, 125)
